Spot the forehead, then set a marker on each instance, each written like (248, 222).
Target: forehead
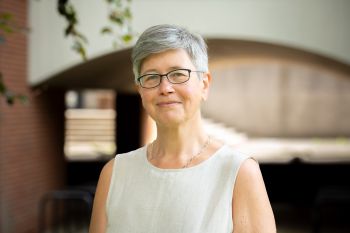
(167, 60)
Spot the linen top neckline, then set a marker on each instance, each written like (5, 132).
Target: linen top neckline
(197, 166)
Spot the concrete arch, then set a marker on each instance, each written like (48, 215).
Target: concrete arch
(268, 89)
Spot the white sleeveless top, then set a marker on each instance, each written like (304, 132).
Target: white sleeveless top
(145, 199)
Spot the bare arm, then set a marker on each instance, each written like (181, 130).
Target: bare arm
(98, 222)
(251, 208)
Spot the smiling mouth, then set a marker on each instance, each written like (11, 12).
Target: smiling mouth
(167, 104)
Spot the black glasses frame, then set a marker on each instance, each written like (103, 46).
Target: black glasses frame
(166, 75)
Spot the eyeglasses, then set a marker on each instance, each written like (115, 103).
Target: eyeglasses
(177, 76)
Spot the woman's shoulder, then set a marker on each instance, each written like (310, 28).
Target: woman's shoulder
(107, 169)
(229, 157)
(232, 153)
(129, 160)
(131, 154)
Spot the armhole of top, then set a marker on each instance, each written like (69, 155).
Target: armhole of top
(111, 185)
(239, 163)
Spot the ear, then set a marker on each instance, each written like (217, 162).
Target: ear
(206, 84)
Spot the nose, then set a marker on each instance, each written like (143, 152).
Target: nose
(165, 87)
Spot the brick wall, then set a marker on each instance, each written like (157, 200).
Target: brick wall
(31, 136)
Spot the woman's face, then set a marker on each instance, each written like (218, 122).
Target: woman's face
(172, 104)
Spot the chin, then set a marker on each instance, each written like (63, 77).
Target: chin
(170, 121)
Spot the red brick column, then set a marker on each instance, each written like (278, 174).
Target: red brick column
(31, 136)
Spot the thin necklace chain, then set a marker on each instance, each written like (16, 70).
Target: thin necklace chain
(189, 161)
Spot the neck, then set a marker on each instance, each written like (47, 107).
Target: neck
(179, 142)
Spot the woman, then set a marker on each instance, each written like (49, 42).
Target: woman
(184, 181)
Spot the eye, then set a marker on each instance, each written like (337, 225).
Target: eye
(178, 73)
(178, 76)
(150, 77)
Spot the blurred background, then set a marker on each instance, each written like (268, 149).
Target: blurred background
(280, 92)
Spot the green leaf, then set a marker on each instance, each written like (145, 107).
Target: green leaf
(127, 38)
(79, 48)
(6, 28)
(127, 13)
(5, 23)
(69, 29)
(10, 96)
(71, 15)
(81, 37)
(106, 30)
(116, 18)
(5, 16)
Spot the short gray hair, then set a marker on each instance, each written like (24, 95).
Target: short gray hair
(164, 37)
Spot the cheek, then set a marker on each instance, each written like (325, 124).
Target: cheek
(193, 95)
(143, 99)
(147, 101)
(143, 103)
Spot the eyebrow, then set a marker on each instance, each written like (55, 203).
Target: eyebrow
(153, 71)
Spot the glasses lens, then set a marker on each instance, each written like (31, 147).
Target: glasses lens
(178, 76)
(150, 80)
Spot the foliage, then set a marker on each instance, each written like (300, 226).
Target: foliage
(120, 20)
(5, 21)
(7, 26)
(9, 95)
(67, 11)
(120, 29)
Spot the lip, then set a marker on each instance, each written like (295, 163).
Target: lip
(167, 103)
